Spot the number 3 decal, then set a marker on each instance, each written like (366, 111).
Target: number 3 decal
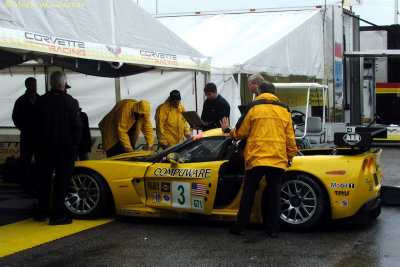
(182, 189)
(181, 195)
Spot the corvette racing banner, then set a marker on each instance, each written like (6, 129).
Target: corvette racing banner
(42, 43)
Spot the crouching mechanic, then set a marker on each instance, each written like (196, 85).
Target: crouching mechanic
(171, 126)
(121, 127)
(270, 147)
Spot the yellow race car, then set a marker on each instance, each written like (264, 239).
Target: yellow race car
(204, 176)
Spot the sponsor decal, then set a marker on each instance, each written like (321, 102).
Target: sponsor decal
(344, 203)
(165, 187)
(195, 60)
(166, 199)
(160, 57)
(56, 44)
(156, 198)
(130, 211)
(115, 50)
(198, 203)
(342, 193)
(153, 186)
(342, 185)
(193, 173)
(352, 138)
(9, 147)
(198, 189)
(181, 195)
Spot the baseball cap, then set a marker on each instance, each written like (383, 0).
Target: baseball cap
(175, 95)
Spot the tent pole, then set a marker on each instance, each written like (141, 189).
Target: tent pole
(240, 89)
(195, 90)
(46, 78)
(117, 89)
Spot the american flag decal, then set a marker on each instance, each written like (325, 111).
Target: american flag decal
(198, 189)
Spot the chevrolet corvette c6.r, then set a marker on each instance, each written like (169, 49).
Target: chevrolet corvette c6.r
(204, 175)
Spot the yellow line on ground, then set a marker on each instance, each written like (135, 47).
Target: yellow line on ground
(29, 233)
(4, 183)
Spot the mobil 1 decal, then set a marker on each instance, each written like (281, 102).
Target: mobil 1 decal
(181, 195)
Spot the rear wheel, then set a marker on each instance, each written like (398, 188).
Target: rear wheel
(88, 195)
(303, 203)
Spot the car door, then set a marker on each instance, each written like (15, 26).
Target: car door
(189, 185)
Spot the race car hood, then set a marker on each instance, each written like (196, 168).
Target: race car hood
(132, 156)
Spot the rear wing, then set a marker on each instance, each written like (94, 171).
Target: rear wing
(362, 137)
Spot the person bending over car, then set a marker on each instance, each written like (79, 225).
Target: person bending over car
(270, 147)
(121, 127)
(171, 126)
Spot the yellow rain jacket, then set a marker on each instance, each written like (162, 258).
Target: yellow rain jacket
(270, 136)
(126, 113)
(171, 126)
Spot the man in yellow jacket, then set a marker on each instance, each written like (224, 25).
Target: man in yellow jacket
(270, 148)
(171, 126)
(121, 127)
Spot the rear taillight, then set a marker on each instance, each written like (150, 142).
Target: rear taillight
(365, 166)
(371, 164)
(368, 165)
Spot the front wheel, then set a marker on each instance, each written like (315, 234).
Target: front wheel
(88, 195)
(303, 203)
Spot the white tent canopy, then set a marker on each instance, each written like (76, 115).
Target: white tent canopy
(100, 30)
(278, 43)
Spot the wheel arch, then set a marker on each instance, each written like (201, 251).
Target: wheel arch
(328, 213)
(291, 174)
(109, 191)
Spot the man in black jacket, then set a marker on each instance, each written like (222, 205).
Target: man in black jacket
(214, 109)
(57, 134)
(85, 145)
(23, 117)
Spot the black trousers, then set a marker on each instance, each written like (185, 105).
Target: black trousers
(82, 156)
(27, 148)
(61, 161)
(115, 150)
(252, 180)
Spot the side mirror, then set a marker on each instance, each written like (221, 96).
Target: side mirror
(174, 158)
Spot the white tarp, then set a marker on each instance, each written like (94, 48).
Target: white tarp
(106, 30)
(278, 43)
(103, 30)
(96, 95)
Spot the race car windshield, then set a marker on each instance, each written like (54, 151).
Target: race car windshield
(200, 150)
(155, 157)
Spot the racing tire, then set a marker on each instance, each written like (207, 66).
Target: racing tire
(304, 203)
(88, 196)
(376, 212)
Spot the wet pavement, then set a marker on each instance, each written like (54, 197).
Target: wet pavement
(145, 242)
(149, 242)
